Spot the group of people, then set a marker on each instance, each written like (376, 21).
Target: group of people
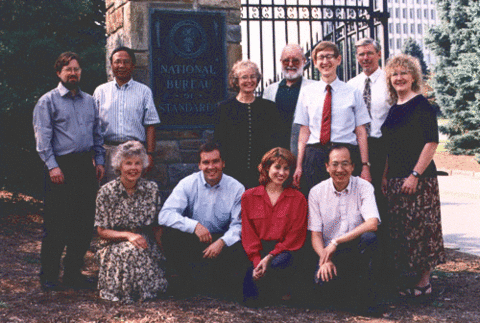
(239, 225)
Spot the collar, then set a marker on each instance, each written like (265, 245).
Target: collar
(298, 84)
(205, 184)
(335, 84)
(126, 85)
(140, 186)
(261, 191)
(64, 91)
(346, 191)
(374, 77)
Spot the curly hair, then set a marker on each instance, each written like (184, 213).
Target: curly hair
(272, 156)
(240, 66)
(126, 150)
(412, 65)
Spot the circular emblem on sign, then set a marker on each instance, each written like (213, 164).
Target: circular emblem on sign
(188, 39)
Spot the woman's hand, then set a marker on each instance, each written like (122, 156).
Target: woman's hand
(137, 240)
(410, 185)
(262, 267)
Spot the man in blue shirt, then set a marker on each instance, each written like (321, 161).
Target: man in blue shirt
(126, 109)
(205, 209)
(67, 133)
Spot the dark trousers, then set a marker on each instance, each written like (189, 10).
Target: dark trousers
(68, 216)
(356, 262)
(221, 276)
(278, 279)
(316, 156)
(378, 156)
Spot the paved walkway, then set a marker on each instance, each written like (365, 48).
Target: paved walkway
(460, 203)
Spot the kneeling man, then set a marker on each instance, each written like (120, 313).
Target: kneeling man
(205, 209)
(343, 217)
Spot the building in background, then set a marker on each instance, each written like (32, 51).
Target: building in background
(411, 18)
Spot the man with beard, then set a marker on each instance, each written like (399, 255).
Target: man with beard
(67, 133)
(285, 93)
(126, 109)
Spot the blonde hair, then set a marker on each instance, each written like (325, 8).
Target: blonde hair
(239, 66)
(412, 65)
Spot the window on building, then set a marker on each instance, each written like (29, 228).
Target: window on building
(412, 29)
(405, 28)
(419, 1)
(432, 14)
(404, 13)
(425, 13)
(425, 1)
(419, 29)
(391, 43)
(390, 27)
(397, 28)
(419, 13)
(399, 43)
(397, 12)
(412, 13)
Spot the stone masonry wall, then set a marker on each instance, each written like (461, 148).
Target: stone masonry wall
(127, 25)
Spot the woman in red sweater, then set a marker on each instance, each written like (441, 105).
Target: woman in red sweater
(274, 226)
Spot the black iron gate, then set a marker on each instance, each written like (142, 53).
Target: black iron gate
(268, 25)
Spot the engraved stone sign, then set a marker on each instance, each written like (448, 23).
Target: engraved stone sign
(188, 64)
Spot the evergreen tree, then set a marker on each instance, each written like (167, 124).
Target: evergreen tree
(456, 79)
(32, 35)
(412, 48)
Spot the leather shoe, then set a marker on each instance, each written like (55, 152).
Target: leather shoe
(49, 285)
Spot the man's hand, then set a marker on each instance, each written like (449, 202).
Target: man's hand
(410, 185)
(56, 175)
(384, 185)
(262, 267)
(100, 171)
(365, 174)
(327, 271)
(214, 249)
(203, 234)
(150, 163)
(328, 253)
(297, 176)
(137, 240)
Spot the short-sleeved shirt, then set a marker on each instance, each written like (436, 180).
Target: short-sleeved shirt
(348, 111)
(379, 106)
(125, 110)
(336, 213)
(406, 130)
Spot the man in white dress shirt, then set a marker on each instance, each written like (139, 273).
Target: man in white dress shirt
(286, 92)
(343, 217)
(371, 82)
(345, 123)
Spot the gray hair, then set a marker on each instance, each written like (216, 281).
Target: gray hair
(368, 41)
(240, 66)
(295, 47)
(126, 150)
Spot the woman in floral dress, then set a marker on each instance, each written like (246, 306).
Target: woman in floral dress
(130, 256)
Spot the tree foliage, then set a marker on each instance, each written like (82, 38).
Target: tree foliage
(456, 79)
(412, 48)
(32, 35)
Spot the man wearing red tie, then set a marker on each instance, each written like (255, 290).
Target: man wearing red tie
(331, 112)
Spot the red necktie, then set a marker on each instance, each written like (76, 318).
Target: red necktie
(326, 117)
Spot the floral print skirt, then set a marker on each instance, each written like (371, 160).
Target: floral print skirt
(414, 226)
(128, 273)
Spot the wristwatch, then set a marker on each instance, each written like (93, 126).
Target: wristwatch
(415, 174)
(334, 242)
(367, 164)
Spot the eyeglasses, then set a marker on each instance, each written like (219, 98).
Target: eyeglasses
(329, 57)
(71, 69)
(343, 164)
(247, 77)
(294, 61)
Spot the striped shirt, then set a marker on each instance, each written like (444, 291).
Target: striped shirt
(125, 110)
(336, 213)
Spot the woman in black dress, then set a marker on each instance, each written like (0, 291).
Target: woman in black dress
(410, 180)
(247, 126)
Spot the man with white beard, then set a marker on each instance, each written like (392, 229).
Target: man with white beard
(285, 93)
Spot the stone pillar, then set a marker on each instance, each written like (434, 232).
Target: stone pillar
(127, 23)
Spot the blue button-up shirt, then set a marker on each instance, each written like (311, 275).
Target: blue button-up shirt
(217, 207)
(65, 124)
(125, 110)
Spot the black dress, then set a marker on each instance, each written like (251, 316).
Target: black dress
(246, 132)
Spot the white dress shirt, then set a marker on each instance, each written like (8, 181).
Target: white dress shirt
(379, 107)
(336, 213)
(348, 111)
